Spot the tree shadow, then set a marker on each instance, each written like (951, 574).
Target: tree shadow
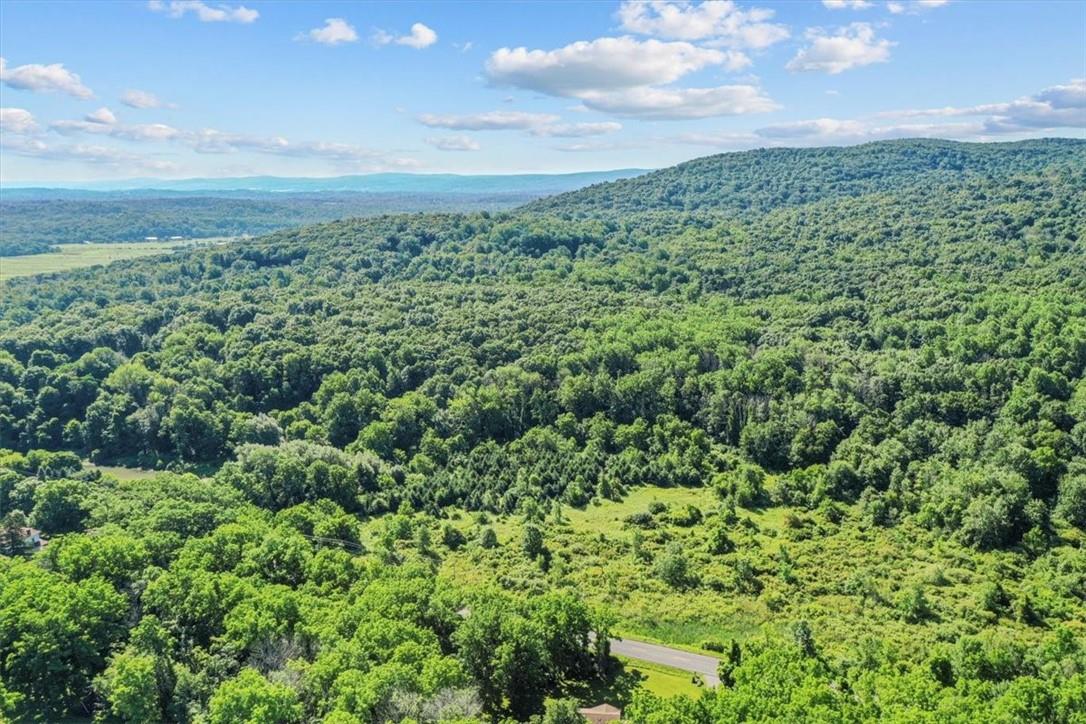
(617, 689)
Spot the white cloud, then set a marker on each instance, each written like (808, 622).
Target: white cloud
(1055, 108)
(682, 103)
(604, 63)
(210, 140)
(850, 47)
(102, 115)
(718, 21)
(44, 79)
(83, 153)
(629, 77)
(98, 125)
(537, 124)
(576, 130)
(335, 32)
(453, 143)
(491, 121)
(420, 37)
(912, 7)
(205, 13)
(596, 145)
(143, 99)
(1059, 106)
(17, 120)
(847, 4)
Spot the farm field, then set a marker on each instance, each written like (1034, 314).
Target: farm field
(76, 256)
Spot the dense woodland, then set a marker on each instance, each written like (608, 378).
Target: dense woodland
(867, 364)
(38, 225)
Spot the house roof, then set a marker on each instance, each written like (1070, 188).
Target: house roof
(600, 709)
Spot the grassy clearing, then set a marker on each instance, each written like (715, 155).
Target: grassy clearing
(845, 578)
(77, 256)
(628, 676)
(661, 680)
(123, 473)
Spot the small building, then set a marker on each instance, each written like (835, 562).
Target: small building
(176, 238)
(600, 713)
(31, 537)
(150, 238)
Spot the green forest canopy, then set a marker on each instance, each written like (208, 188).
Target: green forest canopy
(891, 335)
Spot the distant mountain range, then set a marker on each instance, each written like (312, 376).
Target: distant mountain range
(534, 184)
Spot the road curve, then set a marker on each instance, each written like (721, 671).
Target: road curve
(703, 666)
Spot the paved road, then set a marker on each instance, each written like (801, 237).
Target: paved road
(704, 666)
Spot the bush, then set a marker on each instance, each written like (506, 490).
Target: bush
(641, 520)
(488, 538)
(745, 485)
(672, 567)
(686, 516)
(913, 606)
(452, 537)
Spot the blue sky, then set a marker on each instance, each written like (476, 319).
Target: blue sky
(98, 90)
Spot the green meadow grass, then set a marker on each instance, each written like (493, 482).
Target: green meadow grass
(76, 256)
(830, 564)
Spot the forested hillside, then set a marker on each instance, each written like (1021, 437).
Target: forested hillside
(35, 226)
(819, 412)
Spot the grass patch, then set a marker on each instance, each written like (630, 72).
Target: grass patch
(787, 565)
(78, 256)
(123, 473)
(628, 676)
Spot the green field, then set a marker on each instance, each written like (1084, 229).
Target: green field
(75, 256)
(123, 473)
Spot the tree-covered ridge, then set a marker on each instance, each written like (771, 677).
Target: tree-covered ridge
(753, 182)
(901, 358)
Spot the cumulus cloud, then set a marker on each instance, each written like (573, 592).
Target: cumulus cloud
(453, 143)
(335, 31)
(420, 37)
(219, 13)
(715, 21)
(143, 100)
(44, 79)
(850, 47)
(18, 120)
(628, 77)
(601, 64)
(102, 115)
(847, 4)
(490, 121)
